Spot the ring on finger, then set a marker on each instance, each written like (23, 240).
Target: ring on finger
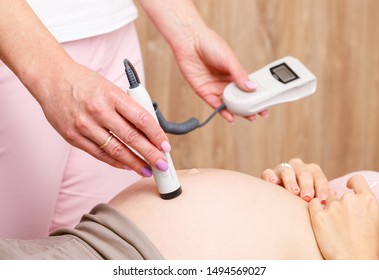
(106, 142)
(283, 165)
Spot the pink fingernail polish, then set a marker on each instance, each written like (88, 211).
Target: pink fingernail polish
(265, 114)
(307, 196)
(161, 165)
(127, 167)
(323, 198)
(146, 171)
(252, 118)
(250, 85)
(166, 147)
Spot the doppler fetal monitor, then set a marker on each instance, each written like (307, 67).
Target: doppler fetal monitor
(281, 81)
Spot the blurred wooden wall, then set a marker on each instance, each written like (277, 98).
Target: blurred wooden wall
(338, 127)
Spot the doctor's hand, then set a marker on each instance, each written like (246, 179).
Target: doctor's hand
(204, 58)
(80, 104)
(348, 228)
(305, 180)
(208, 64)
(98, 117)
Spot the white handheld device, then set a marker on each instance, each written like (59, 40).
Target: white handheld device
(167, 181)
(281, 81)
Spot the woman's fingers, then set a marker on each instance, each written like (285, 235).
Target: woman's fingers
(88, 110)
(287, 175)
(107, 147)
(138, 131)
(305, 180)
(321, 183)
(359, 184)
(347, 228)
(143, 122)
(119, 152)
(270, 175)
(311, 179)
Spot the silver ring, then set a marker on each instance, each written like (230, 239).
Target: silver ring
(283, 165)
(106, 142)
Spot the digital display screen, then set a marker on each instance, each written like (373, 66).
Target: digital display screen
(283, 73)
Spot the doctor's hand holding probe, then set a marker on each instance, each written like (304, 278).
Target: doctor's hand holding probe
(88, 110)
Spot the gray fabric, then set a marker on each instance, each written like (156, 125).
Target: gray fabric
(104, 233)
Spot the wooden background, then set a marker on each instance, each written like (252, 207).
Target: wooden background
(338, 127)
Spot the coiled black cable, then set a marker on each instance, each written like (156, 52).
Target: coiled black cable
(167, 126)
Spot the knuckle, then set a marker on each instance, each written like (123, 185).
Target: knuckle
(266, 172)
(95, 108)
(71, 136)
(314, 167)
(348, 197)
(296, 161)
(157, 135)
(132, 136)
(81, 123)
(303, 173)
(117, 151)
(100, 154)
(149, 153)
(143, 119)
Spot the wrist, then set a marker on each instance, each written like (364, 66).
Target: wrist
(177, 21)
(41, 76)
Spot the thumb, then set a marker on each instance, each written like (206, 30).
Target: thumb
(240, 77)
(359, 184)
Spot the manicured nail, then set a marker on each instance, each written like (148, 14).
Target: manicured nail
(127, 167)
(146, 171)
(307, 195)
(166, 147)
(161, 165)
(250, 85)
(295, 189)
(265, 114)
(323, 198)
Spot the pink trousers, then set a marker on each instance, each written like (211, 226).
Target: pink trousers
(45, 183)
